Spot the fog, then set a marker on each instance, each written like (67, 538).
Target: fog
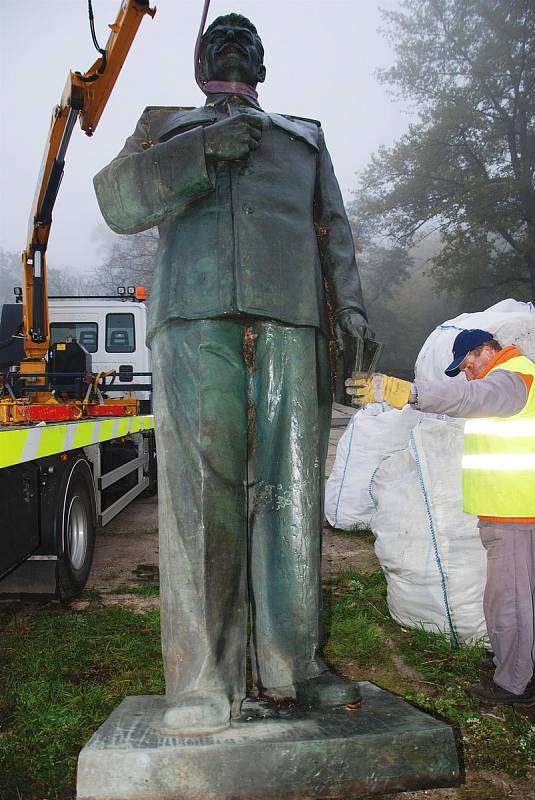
(320, 57)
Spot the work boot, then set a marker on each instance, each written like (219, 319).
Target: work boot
(486, 663)
(489, 692)
(324, 691)
(197, 713)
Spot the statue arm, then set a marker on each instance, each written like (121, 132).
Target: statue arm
(147, 182)
(340, 270)
(339, 264)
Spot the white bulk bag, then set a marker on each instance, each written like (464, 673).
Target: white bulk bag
(430, 551)
(510, 322)
(374, 432)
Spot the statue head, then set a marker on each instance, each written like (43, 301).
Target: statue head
(231, 50)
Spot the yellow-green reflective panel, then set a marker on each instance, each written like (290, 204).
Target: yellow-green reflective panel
(510, 429)
(500, 461)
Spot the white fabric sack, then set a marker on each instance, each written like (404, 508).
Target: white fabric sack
(510, 322)
(374, 432)
(430, 551)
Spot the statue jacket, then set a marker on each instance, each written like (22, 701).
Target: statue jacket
(235, 237)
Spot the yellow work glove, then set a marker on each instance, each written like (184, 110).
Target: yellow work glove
(377, 388)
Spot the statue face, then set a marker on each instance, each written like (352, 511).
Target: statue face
(231, 54)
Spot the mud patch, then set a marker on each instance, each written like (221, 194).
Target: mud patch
(126, 554)
(137, 604)
(480, 785)
(249, 353)
(342, 552)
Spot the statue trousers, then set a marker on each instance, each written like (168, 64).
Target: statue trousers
(242, 416)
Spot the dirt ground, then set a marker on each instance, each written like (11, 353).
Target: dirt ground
(127, 549)
(127, 555)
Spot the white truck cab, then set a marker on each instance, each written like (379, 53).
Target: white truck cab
(112, 329)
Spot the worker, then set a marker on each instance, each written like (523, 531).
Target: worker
(498, 402)
(238, 326)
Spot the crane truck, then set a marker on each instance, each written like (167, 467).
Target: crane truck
(76, 433)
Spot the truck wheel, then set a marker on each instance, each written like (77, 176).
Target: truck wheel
(152, 488)
(78, 532)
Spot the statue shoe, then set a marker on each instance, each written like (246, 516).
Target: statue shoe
(197, 713)
(324, 691)
(327, 690)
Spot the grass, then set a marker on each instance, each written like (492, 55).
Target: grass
(62, 672)
(360, 531)
(353, 611)
(90, 594)
(497, 738)
(361, 635)
(141, 590)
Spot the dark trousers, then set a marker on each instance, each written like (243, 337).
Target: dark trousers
(242, 420)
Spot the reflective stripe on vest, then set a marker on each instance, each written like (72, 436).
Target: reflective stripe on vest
(499, 457)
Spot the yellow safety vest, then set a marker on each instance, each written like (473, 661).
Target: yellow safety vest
(499, 457)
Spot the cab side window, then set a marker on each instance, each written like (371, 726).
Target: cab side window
(120, 335)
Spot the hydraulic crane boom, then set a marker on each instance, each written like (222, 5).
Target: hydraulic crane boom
(84, 98)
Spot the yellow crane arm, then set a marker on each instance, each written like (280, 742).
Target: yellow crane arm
(84, 98)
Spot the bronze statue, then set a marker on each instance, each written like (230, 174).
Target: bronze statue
(239, 337)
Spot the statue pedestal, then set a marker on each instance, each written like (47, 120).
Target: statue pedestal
(384, 746)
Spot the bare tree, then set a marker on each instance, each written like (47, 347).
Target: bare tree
(129, 261)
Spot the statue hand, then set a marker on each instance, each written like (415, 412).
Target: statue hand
(349, 323)
(350, 329)
(233, 137)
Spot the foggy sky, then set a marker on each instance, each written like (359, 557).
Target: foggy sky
(320, 59)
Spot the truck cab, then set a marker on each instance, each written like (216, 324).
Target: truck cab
(112, 329)
(58, 480)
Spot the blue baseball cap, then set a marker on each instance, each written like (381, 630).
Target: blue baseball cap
(464, 342)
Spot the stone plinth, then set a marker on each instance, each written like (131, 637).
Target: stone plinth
(384, 746)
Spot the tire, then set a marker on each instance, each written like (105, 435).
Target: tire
(77, 528)
(152, 488)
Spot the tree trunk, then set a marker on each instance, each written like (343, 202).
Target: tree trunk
(530, 260)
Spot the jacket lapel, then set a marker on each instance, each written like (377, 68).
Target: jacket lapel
(307, 133)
